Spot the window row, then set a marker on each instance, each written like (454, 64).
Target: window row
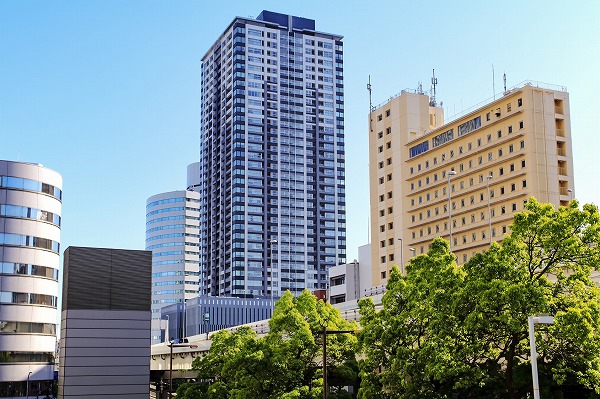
(19, 327)
(27, 298)
(29, 213)
(19, 183)
(28, 269)
(29, 241)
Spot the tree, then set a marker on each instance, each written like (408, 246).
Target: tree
(447, 331)
(286, 363)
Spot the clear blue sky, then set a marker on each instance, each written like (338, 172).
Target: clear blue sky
(107, 93)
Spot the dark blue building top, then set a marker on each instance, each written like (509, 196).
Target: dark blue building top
(284, 20)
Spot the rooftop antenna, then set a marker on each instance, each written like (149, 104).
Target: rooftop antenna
(420, 88)
(433, 84)
(370, 106)
(505, 82)
(493, 82)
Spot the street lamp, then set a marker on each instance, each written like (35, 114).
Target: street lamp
(171, 344)
(450, 173)
(489, 208)
(167, 329)
(414, 252)
(532, 320)
(401, 255)
(273, 242)
(27, 388)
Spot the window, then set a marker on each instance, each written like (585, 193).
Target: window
(513, 187)
(521, 124)
(381, 180)
(508, 107)
(388, 145)
(379, 117)
(388, 130)
(387, 113)
(520, 102)
(382, 244)
(389, 195)
(501, 171)
(380, 135)
(512, 167)
(381, 212)
(511, 148)
(443, 157)
(380, 164)
(464, 239)
(412, 170)
(480, 160)
(503, 229)
(391, 257)
(451, 153)
(514, 207)
(382, 228)
(502, 190)
(471, 182)
(381, 198)
(523, 163)
(499, 133)
(435, 160)
(380, 148)
(419, 167)
(489, 156)
(390, 210)
(389, 177)
(391, 226)
(391, 241)
(500, 152)
(524, 183)
(522, 143)
(503, 210)
(487, 116)
(460, 150)
(389, 161)
(489, 138)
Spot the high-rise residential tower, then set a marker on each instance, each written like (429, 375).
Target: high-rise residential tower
(30, 209)
(172, 221)
(272, 158)
(463, 179)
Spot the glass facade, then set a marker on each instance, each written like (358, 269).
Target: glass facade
(29, 269)
(272, 170)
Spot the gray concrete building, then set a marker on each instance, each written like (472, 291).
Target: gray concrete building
(105, 324)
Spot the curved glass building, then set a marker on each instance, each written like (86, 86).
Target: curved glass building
(172, 221)
(30, 219)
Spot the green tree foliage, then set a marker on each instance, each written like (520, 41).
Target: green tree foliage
(284, 364)
(447, 331)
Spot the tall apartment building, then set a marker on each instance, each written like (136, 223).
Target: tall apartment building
(172, 224)
(272, 158)
(464, 179)
(30, 209)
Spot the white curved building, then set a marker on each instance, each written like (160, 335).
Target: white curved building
(172, 223)
(30, 209)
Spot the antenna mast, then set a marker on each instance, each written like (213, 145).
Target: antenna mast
(505, 82)
(493, 82)
(433, 84)
(370, 106)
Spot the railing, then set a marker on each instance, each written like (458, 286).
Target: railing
(562, 171)
(561, 152)
(560, 132)
(558, 110)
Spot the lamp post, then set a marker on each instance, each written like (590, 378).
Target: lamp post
(167, 338)
(489, 177)
(450, 173)
(273, 242)
(414, 252)
(401, 255)
(324, 333)
(171, 345)
(533, 320)
(27, 387)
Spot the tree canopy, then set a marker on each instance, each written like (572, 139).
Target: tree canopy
(284, 364)
(450, 331)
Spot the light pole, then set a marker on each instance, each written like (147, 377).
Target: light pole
(414, 252)
(533, 320)
(450, 173)
(171, 345)
(167, 338)
(273, 242)
(401, 255)
(489, 208)
(27, 388)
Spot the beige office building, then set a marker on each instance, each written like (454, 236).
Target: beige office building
(476, 171)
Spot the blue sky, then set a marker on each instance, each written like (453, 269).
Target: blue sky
(107, 93)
